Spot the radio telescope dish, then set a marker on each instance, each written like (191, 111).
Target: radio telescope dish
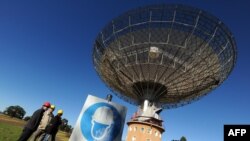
(168, 55)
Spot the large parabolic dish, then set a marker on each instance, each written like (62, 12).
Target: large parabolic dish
(170, 55)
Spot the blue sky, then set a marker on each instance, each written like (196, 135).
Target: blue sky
(45, 55)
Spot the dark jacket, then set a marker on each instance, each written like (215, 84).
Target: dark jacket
(53, 126)
(34, 121)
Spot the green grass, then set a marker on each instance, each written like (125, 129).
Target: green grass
(9, 132)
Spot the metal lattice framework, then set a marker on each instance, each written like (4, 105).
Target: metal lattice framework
(168, 54)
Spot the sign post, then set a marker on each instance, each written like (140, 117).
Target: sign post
(99, 120)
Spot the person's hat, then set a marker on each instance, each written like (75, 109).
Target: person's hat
(52, 107)
(46, 104)
(60, 112)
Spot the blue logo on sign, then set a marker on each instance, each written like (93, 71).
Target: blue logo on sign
(101, 122)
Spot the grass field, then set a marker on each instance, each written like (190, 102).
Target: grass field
(11, 128)
(9, 132)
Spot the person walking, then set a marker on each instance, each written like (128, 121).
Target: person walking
(47, 116)
(52, 128)
(33, 123)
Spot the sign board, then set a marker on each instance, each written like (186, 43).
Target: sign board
(99, 120)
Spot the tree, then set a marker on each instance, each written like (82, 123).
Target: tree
(64, 124)
(64, 121)
(15, 111)
(68, 128)
(65, 127)
(26, 118)
(183, 138)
